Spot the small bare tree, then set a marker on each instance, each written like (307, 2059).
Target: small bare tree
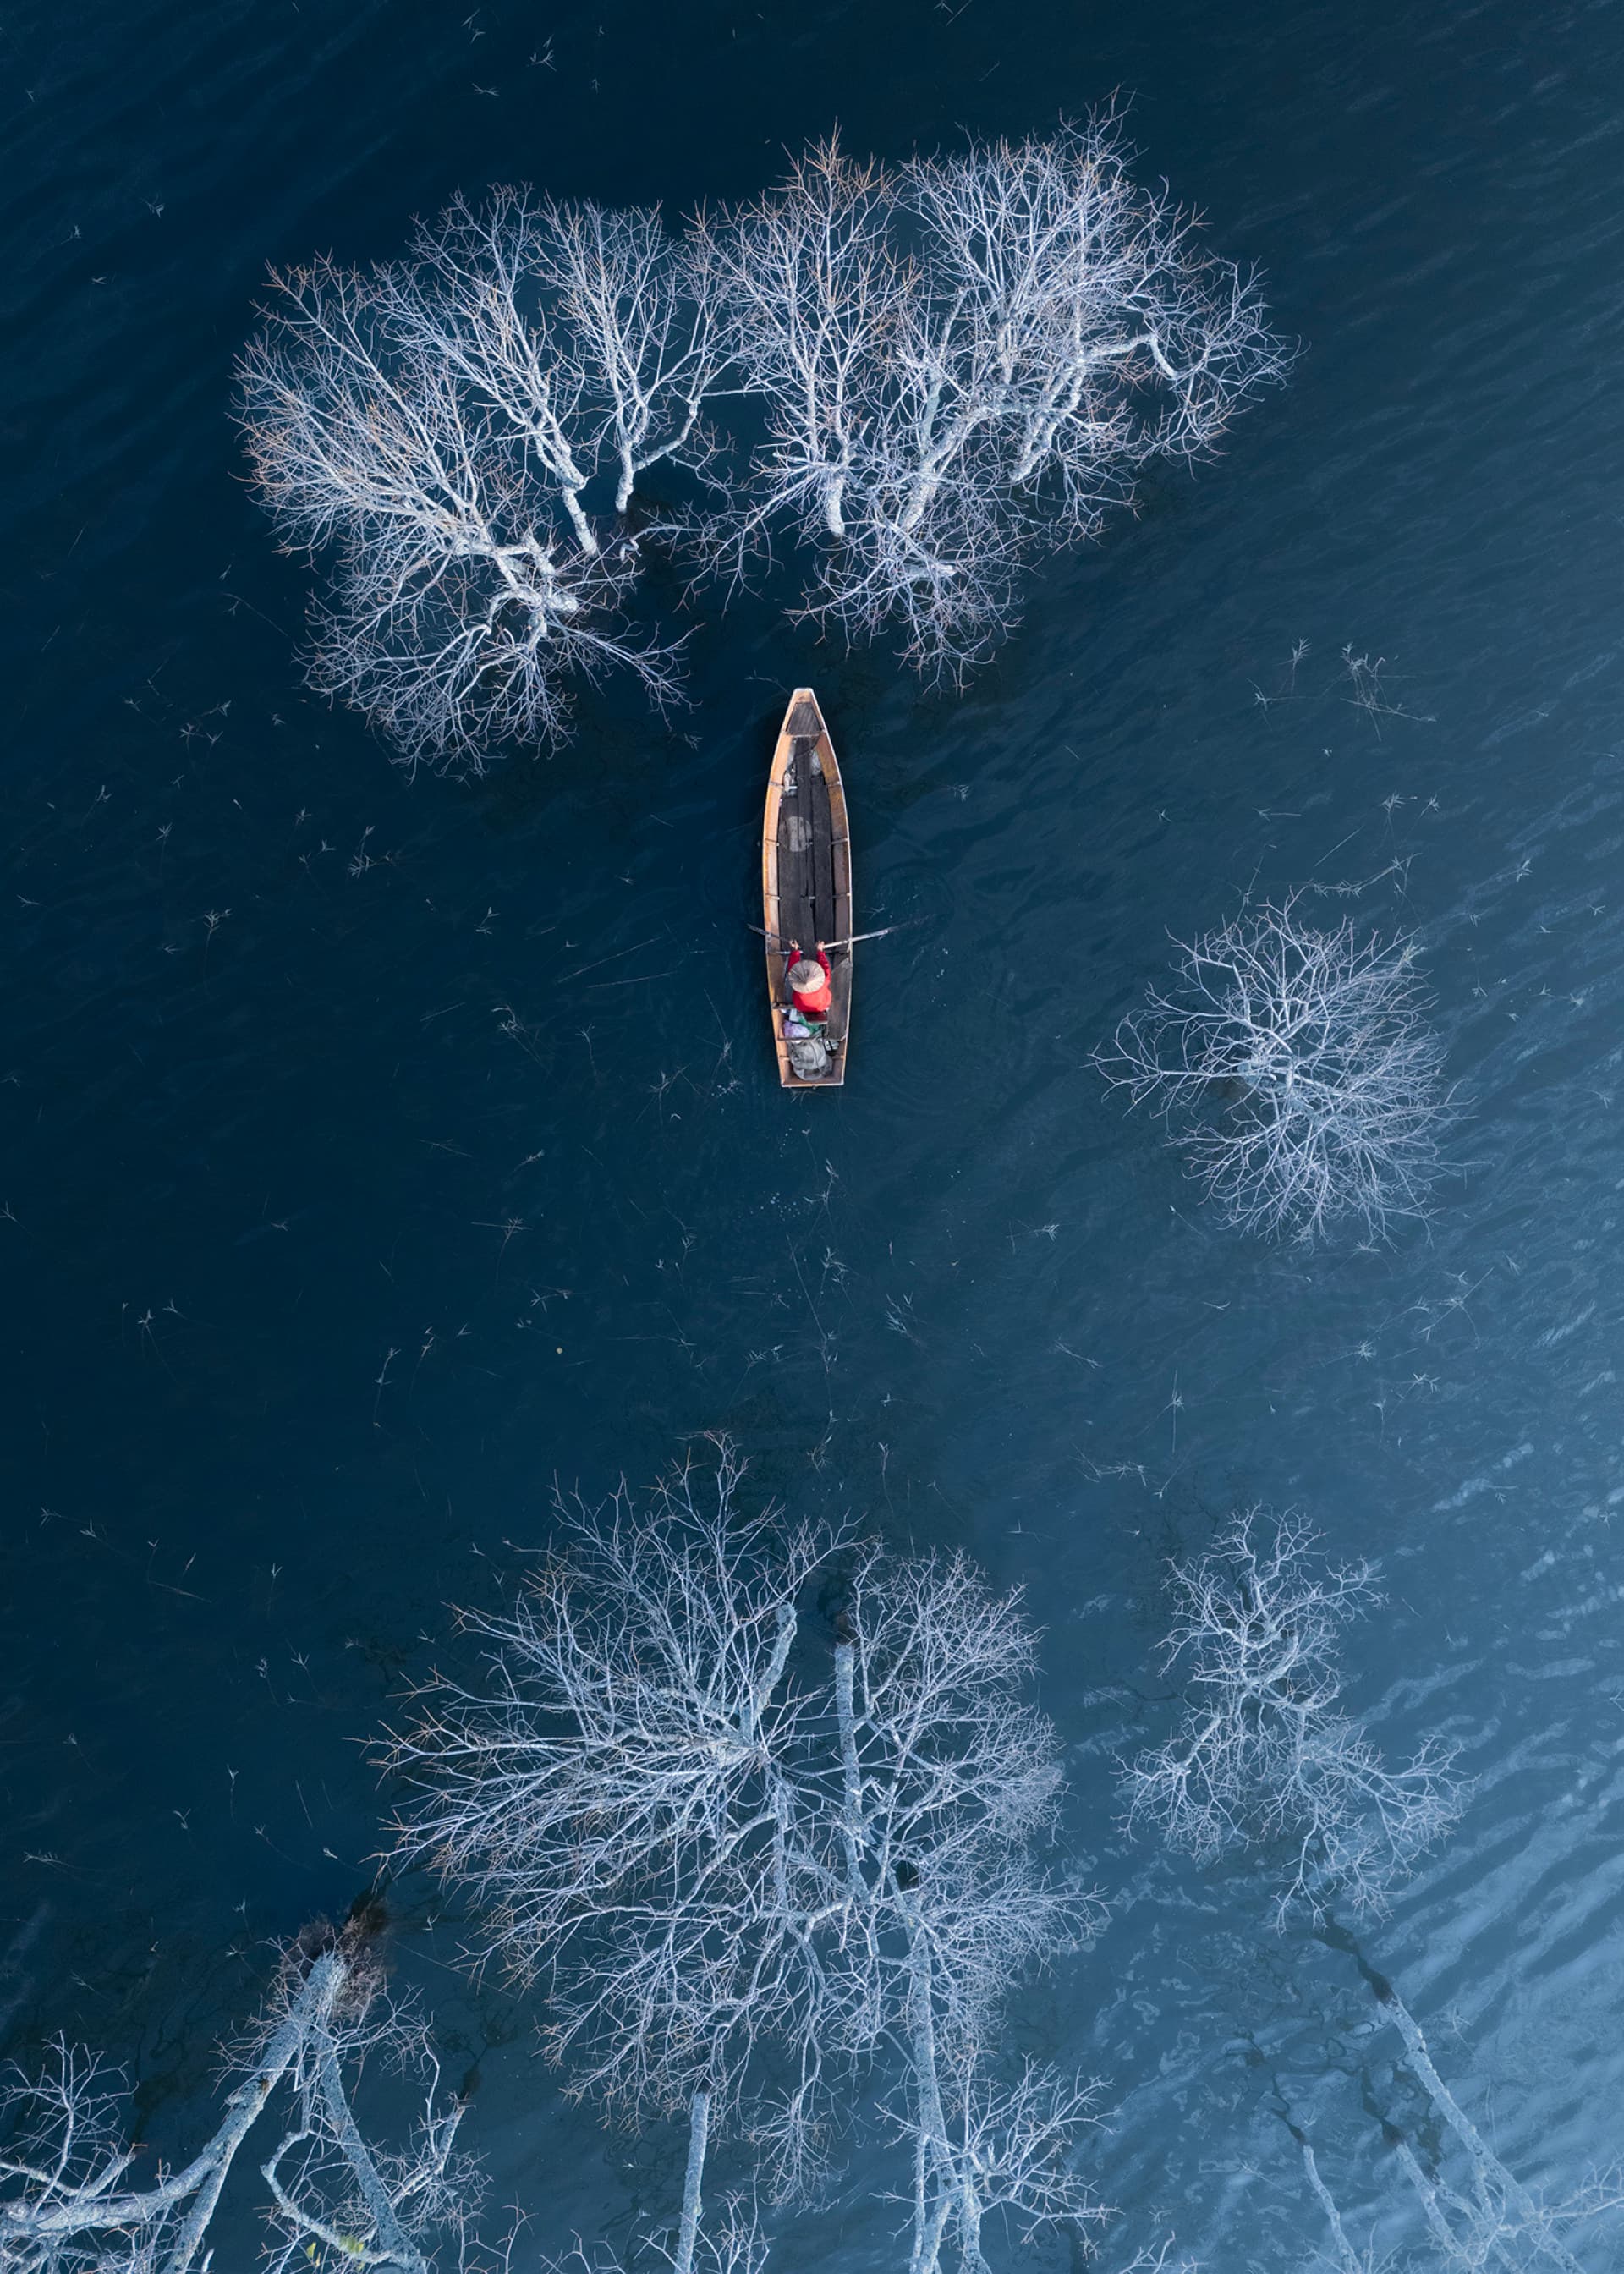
(1262, 1753)
(67, 2205)
(732, 2243)
(988, 2151)
(968, 362)
(1295, 1072)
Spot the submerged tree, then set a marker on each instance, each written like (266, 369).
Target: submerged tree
(636, 1736)
(959, 363)
(1294, 1072)
(967, 362)
(624, 1798)
(745, 1865)
(433, 426)
(68, 2205)
(1262, 1753)
(1477, 2213)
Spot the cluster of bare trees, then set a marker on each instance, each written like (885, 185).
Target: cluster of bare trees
(68, 2203)
(939, 370)
(761, 1807)
(1294, 1069)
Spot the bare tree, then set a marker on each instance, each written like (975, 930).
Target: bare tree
(436, 426)
(1295, 1072)
(948, 1782)
(625, 1796)
(739, 1866)
(966, 363)
(67, 2205)
(1262, 1751)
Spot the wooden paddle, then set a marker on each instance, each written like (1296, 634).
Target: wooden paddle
(855, 937)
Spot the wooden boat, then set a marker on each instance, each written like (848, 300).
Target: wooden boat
(806, 878)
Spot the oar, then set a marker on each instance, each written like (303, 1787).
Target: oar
(856, 938)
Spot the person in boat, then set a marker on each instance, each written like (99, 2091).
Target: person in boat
(809, 983)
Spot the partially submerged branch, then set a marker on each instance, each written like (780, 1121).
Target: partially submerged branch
(66, 2206)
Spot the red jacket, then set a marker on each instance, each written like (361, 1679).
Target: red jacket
(813, 1001)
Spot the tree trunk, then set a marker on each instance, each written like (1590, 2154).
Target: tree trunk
(928, 2225)
(310, 2010)
(368, 2179)
(850, 1814)
(582, 526)
(698, 2137)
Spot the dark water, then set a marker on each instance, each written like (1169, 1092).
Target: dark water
(343, 1224)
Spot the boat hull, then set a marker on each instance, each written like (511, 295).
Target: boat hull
(806, 878)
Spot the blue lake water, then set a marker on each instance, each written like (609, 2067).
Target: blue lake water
(359, 1183)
